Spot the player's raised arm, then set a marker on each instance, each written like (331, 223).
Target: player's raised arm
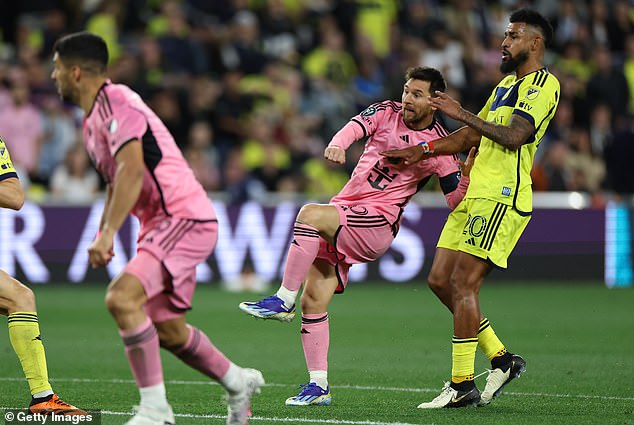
(510, 136)
(458, 141)
(336, 149)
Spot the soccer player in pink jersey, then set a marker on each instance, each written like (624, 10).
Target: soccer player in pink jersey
(361, 221)
(147, 176)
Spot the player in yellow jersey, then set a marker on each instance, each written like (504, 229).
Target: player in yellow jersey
(484, 228)
(17, 302)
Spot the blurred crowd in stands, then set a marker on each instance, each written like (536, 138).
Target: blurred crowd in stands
(253, 90)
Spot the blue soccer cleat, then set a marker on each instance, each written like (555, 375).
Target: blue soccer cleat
(311, 394)
(269, 308)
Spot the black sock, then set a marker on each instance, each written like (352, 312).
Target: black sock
(463, 386)
(40, 399)
(502, 362)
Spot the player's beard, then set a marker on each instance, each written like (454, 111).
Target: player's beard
(513, 63)
(67, 93)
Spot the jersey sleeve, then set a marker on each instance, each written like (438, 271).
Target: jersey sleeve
(453, 184)
(371, 118)
(7, 169)
(127, 124)
(537, 97)
(448, 172)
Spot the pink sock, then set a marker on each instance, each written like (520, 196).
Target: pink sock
(301, 255)
(199, 353)
(315, 340)
(143, 351)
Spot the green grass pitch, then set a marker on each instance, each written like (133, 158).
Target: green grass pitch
(390, 350)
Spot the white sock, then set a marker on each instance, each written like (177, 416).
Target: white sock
(287, 296)
(154, 396)
(319, 377)
(233, 381)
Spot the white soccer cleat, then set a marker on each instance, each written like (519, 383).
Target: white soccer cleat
(310, 394)
(238, 405)
(450, 397)
(498, 378)
(144, 415)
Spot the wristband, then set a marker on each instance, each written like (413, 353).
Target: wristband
(428, 147)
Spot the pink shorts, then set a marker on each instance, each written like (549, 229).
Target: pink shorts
(364, 235)
(166, 261)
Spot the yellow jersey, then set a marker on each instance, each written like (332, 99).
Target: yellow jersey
(501, 174)
(6, 166)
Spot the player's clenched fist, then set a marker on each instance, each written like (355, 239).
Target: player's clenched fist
(335, 154)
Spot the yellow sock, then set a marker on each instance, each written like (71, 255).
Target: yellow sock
(24, 333)
(488, 341)
(463, 359)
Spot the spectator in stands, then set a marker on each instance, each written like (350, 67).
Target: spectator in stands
(60, 133)
(22, 126)
(201, 156)
(608, 84)
(75, 181)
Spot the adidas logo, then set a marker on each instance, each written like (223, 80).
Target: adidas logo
(304, 331)
(37, 338)
(471, 241)
(295, 242)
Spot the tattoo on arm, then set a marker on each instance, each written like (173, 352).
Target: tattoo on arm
(511, 137)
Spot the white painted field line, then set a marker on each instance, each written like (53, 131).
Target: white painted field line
(347, 387)
(259, 418)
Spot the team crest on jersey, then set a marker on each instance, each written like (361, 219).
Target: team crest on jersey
(369, 111)
(3, 153)
(114, 125)
(532, 94)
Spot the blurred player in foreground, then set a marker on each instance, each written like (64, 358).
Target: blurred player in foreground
(17, 302)
(147, 176)
(360, 223)
(483, 230)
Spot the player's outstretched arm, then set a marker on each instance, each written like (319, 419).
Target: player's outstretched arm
(11, 194)
(458, 141)
(467, 164)
(335, 154)
(336, 149)
(454, 197)
(511, 137)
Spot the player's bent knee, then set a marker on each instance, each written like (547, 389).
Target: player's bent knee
(119, 302)
(437, 283)
(16, 296)
(310, 214)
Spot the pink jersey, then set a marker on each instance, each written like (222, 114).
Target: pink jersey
(386, 186)
(119, 116)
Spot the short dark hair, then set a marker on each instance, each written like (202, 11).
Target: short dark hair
(425, 73)
(83, 48)
(535, 19)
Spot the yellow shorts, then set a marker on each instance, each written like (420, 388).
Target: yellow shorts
(483, 228)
